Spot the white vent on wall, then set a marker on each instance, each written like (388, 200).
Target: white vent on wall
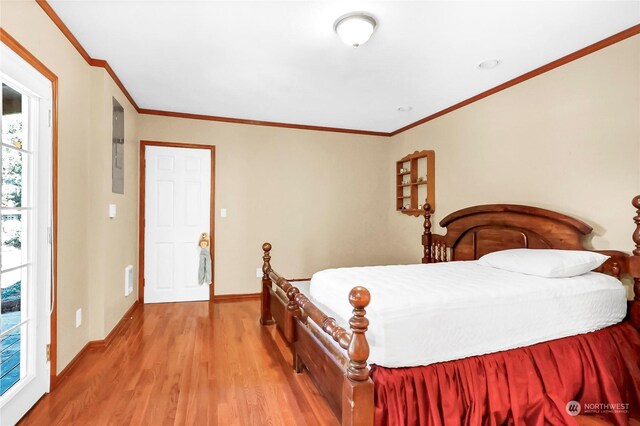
(128, 280)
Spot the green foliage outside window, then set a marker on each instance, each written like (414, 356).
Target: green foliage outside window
(12, 182)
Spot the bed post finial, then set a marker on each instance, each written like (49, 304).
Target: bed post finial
(293, 311)
(266, 258)
(634, 263)
(265, 302)
(358, 350)
(636, 251)
(357, 387)
(636, 219)
(426, 235)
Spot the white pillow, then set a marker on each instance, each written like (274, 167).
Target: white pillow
(544, 263)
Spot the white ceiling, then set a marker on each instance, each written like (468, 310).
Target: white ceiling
(282, 61)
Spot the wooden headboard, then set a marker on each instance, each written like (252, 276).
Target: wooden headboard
(476, 231)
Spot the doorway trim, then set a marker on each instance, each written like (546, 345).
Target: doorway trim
(31, 59)
(143, 145)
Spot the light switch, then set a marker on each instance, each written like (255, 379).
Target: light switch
(223, 212)
(112, 211)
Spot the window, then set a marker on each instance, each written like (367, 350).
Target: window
(14, 232)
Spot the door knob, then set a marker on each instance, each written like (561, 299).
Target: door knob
(204, 240)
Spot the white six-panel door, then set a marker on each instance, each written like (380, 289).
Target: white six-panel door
(177, 210)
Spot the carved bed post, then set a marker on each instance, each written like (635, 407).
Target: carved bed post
(265, 306)
(293, 310)
(426, 235)
(357, 393)
(634, 309)
(636, 219)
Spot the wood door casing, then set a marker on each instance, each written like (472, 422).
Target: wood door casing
(141, 224)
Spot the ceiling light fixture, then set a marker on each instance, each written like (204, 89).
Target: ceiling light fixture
(355, 28)
(489, 64)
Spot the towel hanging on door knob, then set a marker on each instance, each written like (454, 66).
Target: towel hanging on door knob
(204, 268)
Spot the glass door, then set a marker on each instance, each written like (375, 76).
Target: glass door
(14, 257)
(25, 251)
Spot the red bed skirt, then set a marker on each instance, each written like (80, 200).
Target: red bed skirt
(525, 386)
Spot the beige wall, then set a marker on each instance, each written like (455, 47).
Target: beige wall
(90, 269)
(318, 197)
(567, 140)
(116, 239)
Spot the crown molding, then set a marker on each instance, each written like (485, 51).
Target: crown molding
(46, 7)
(616, 38)
(260, 123)
(81, 50)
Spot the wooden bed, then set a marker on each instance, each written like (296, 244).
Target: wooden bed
(470, 233)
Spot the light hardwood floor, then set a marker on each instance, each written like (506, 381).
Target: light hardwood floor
(191, 364)
(186, 364)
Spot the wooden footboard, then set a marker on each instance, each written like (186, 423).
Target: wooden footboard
(343, 380)
(634, 269)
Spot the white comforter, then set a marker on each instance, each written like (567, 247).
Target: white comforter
(423, 314)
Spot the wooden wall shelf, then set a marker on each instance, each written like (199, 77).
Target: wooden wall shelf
(415, 182)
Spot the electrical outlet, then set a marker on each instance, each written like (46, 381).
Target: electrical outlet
(258, 272)
(78, 317)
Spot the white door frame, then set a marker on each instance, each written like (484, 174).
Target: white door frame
(141, 227)
(28, 57)
(23, 72)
